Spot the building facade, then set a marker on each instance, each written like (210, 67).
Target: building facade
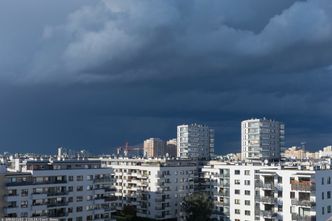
(155, 187)
(74, 190)
(262, 139)
(154, 147)
(247, 192)
(171, 148)
(195, 141)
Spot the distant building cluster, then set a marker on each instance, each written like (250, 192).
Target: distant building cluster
(263, 182)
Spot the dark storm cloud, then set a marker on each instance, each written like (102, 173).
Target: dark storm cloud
(120, 70)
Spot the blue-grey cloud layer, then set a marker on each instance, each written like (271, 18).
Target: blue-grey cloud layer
(98, 74)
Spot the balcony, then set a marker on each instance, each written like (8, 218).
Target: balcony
(57, 215)
(304, 203)
(267, 200)
(224, 193)
(301, 217)
(303, 186)
(102, 180)
(60, 193)
(39, 215)
(268, 213)
(56, 204)
(262, 185)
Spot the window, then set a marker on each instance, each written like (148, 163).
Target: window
(247, 202)
(329, 209)
(247, 212)
(292, 195)
(237, 192)
(79, 199)
(329, 180)
(24, 192)
(79, 188)
(237, 182)
(279, 179)
(323, 210)
(247, 172)
(247, 182)
(279, 208)
(279, 193)
(237, 172)
(79, 178)
(79, 209)
(247, 192)
(328, 194)
(237, 201)
(237, 211)
(24, 204)
(71, 178)
(322, 180)
(323, 195)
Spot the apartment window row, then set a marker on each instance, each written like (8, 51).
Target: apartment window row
(246, 192)
(246, 202)
(238, 212)
(328, 209)
(328, 180)
(328, 195)
(238, 172)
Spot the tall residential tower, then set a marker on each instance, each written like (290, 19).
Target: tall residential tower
(195, 141)
(262, 139)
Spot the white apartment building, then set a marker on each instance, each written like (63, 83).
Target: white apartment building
(262, 139)
(247, 192)
(155, 187)
(69, 190)
(232, 188)
(195, 141)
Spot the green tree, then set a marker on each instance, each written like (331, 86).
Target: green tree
(197, 207)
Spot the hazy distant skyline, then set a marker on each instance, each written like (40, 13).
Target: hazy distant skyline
(95, 74)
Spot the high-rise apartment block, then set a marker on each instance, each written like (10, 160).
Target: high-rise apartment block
(171, 148)
(154, 147)
(262, 139)
(195, 141)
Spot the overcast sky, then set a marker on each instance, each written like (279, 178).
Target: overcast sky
(95, 74)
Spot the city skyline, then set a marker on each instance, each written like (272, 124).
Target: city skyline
(97, 74)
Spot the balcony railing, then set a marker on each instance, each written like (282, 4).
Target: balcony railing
(57, 204)
(265, 185)
(303, 186)
(301, 217)
(57, 193)
(102, 180)
(305, 203)
(268, 199)
(268, 213)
